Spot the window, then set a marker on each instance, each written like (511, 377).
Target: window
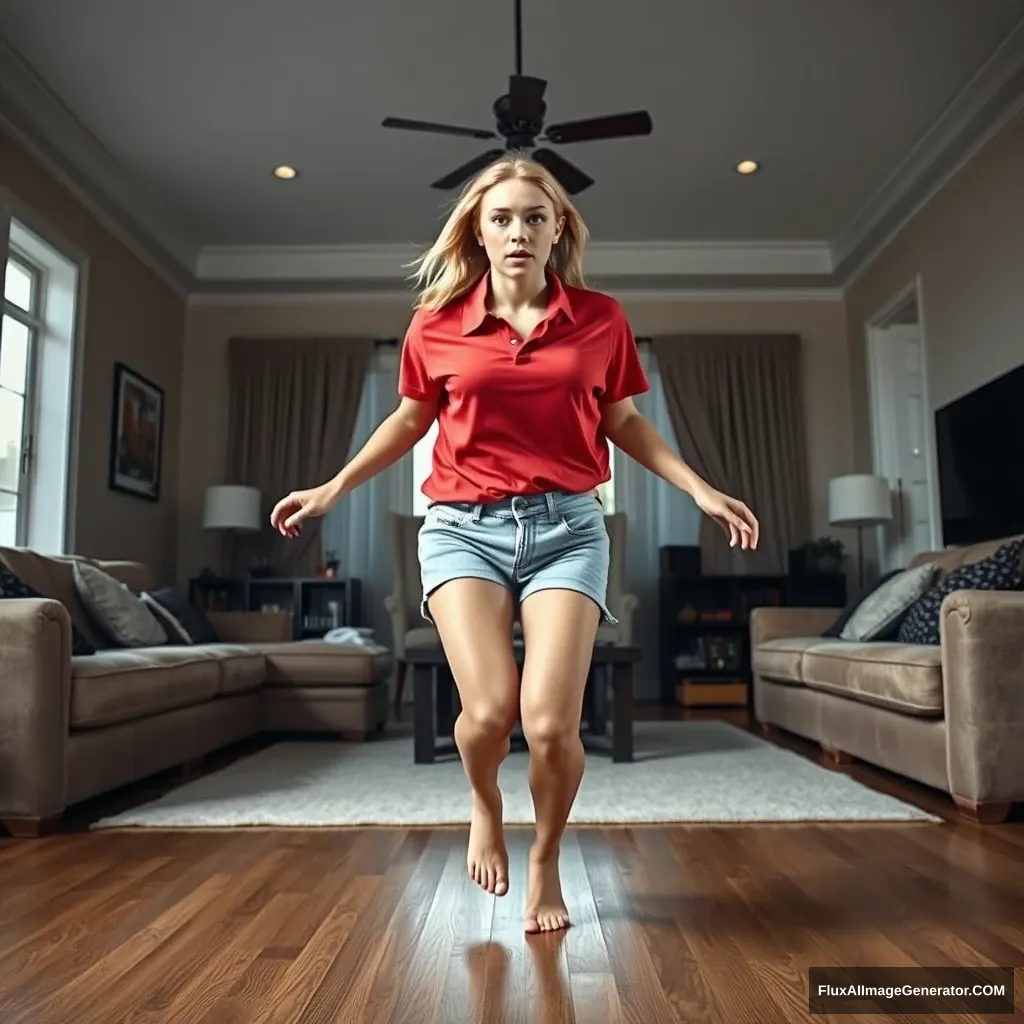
(423, 452)
(18, 332)
(37, 357)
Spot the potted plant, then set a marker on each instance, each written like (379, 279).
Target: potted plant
(825, 555)
(331, 563)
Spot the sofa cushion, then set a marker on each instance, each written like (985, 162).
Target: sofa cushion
(901, 677)
(316, 663)
(13, 587)
(54, 578)
(1001, 570)
(115, 609)
(879, 615)
(241, 668)
(781, 659)
(119, 685)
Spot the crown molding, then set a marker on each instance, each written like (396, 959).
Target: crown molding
(395, 297)
(992, 98)
(602, 259)
(34, 116)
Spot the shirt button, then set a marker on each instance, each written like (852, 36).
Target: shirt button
(511, 341)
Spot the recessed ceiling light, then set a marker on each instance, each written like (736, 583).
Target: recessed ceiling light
(747, 166)
(285, 173)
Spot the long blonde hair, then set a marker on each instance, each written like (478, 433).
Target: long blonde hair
(455, 262)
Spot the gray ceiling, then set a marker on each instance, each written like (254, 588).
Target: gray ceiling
(198, 99)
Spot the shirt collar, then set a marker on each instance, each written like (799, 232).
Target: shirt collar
(474, 305)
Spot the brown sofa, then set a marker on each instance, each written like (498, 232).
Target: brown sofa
(73, 727)
(950, 716)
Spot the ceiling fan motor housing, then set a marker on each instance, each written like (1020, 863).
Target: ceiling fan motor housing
(520, 132)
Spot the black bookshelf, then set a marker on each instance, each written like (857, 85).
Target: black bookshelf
(316, 603)
(704, 627)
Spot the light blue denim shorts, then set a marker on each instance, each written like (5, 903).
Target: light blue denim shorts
(544, 541)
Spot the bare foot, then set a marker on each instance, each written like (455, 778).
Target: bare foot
(487, 858)
(545, 908)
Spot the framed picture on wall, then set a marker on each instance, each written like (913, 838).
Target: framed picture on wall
(136, 436)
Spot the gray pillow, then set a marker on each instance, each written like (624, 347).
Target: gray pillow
(883, 607)
(116, 610)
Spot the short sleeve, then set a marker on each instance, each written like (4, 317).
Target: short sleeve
(625, 376)
(414, 380)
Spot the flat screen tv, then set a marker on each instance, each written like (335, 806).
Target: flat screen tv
(979, 446)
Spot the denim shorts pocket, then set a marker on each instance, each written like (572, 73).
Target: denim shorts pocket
(583, 523)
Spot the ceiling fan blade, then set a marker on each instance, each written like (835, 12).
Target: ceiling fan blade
(470, 167)
(439, 129)
(614, 126)
(526, 98)
(572, 179)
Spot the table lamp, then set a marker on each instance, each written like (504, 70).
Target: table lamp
(859, 499)
(230, 507)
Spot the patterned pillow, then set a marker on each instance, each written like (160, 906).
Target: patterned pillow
(12, 586)
(1000, 571)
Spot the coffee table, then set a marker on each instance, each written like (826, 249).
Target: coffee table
(435, 702)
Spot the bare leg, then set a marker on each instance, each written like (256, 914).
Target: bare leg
(474, 619)
(559, 629)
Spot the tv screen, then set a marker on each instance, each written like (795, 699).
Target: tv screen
(979, 445)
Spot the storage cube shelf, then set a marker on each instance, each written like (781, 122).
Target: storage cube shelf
(704, 626)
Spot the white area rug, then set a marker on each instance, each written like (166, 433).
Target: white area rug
(697, 771)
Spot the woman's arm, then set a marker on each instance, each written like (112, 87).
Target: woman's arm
(394, 437)
(628, 429)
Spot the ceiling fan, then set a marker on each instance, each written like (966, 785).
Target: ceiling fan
(520, 120)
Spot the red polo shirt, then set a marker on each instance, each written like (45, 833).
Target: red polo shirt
(520, 416)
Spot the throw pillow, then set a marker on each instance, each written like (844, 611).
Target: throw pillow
(179, 616)
(12, 586)
(1000, 571)
(115, 609)
(835, 630)
(881, 612)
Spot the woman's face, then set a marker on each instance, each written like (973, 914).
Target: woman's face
(518, 227)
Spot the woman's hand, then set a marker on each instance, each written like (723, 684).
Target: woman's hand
(732, 515)
(292, 509)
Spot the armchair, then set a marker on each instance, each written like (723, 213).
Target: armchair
(409, 628)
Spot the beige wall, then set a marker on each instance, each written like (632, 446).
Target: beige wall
(967, 247)
(131, 316)
(822, 325)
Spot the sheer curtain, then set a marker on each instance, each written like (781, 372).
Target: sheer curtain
(659, 515)
(355, 529)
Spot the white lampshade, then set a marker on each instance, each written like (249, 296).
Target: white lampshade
(231, 508)
(859, 499)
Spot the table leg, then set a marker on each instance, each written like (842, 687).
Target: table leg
(423, 713)
(622, 712)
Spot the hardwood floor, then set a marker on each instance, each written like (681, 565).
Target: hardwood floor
(701, 923)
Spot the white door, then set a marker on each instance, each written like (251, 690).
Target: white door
(902, 425)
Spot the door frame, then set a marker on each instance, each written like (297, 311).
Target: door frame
(880, 408)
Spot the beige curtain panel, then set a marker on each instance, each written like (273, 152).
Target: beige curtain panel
(291, 417)
(736, 406)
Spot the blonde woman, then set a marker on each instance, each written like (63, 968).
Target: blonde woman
(528, 373)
